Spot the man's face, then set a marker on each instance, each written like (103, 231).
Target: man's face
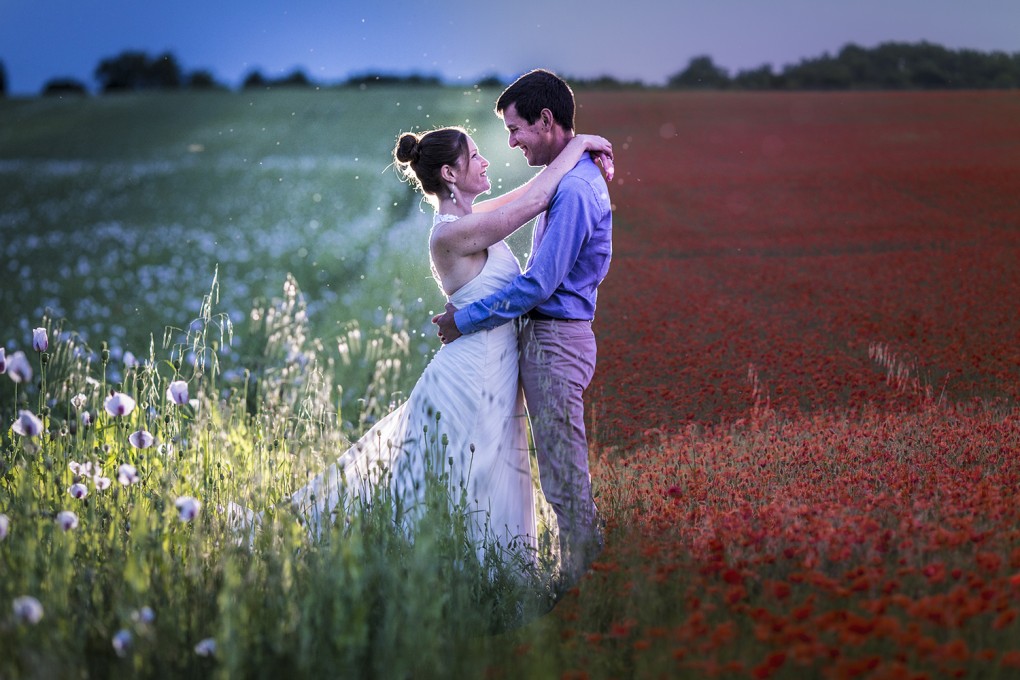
(527, 136)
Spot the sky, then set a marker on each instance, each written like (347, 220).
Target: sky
(465, 40)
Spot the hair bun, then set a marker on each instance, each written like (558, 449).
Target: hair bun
(408, 148)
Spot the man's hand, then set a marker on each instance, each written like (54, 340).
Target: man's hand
(448, 331)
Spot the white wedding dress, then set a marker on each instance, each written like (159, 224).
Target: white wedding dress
(472, 384)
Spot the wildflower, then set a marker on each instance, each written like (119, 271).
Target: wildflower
(18, 368)
(27, 609)
(86, 418)
(188, 507)
(5, 524)
(130, 361)
(78, 490)
(102, 483)
(27, 424)
(67, 520)
(144, 616)
(40, 340)
(119, 404)
(127, 474)
(3, 360)
(206, 647)
(141, 439)
(80, 469)
(178, 392)
(122, 642)
(78, 401)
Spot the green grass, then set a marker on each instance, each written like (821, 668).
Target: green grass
(372, 598)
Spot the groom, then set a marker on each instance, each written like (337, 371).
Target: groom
(555, 298)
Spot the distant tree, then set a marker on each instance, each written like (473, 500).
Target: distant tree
(3, 80)
(62, 86)
(761, 78)
(701, 74)
(255, 80)
(295, 78)
(820, 73)
(165, 72)
(133, 71)
(604, 82)
(415, 79)
(490, 81)
(202, 80)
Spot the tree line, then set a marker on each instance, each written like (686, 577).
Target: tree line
(888, 66)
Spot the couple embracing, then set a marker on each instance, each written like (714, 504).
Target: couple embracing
(517, 345)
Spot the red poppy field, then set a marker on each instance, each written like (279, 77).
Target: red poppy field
(805, 410)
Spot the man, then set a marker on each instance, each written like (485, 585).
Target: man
(555, 299)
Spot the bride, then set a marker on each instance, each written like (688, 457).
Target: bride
(464, 420)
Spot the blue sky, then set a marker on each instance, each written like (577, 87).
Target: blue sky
(646, 40)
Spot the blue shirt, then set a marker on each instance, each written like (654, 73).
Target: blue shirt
(570, 257)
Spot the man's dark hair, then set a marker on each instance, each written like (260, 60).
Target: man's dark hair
(537, 90)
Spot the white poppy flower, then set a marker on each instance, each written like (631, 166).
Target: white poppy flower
(80, 469)
(127, 474)
(27, 609)
(19, 368)
(178, 392)
(119, 404)
(145, 615)
(40, 340)
(78, 490)
(78, 401)
(102, 483)
(188, 507)
(122, 642)
(206, 647)
(67, 520)
(3, 360)
(86, 418)
(141, 439)
(5, 525)
(28, 424)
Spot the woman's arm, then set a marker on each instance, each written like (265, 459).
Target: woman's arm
(477, 231)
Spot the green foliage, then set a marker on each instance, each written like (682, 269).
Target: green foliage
(372, 598)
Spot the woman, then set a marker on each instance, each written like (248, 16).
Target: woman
(464, 420)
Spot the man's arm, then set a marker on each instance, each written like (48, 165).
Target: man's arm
(570, 221)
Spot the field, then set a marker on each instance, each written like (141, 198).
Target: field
(804, 422)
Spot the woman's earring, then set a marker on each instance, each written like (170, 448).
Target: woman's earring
(452, 197)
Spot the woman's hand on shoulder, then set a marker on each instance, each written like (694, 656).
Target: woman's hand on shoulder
(601, 150)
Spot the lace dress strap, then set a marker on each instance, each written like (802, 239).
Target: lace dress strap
(443, 217)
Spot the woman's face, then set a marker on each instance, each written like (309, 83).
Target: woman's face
(471, 177)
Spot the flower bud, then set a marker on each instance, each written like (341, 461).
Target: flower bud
(40, 340)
